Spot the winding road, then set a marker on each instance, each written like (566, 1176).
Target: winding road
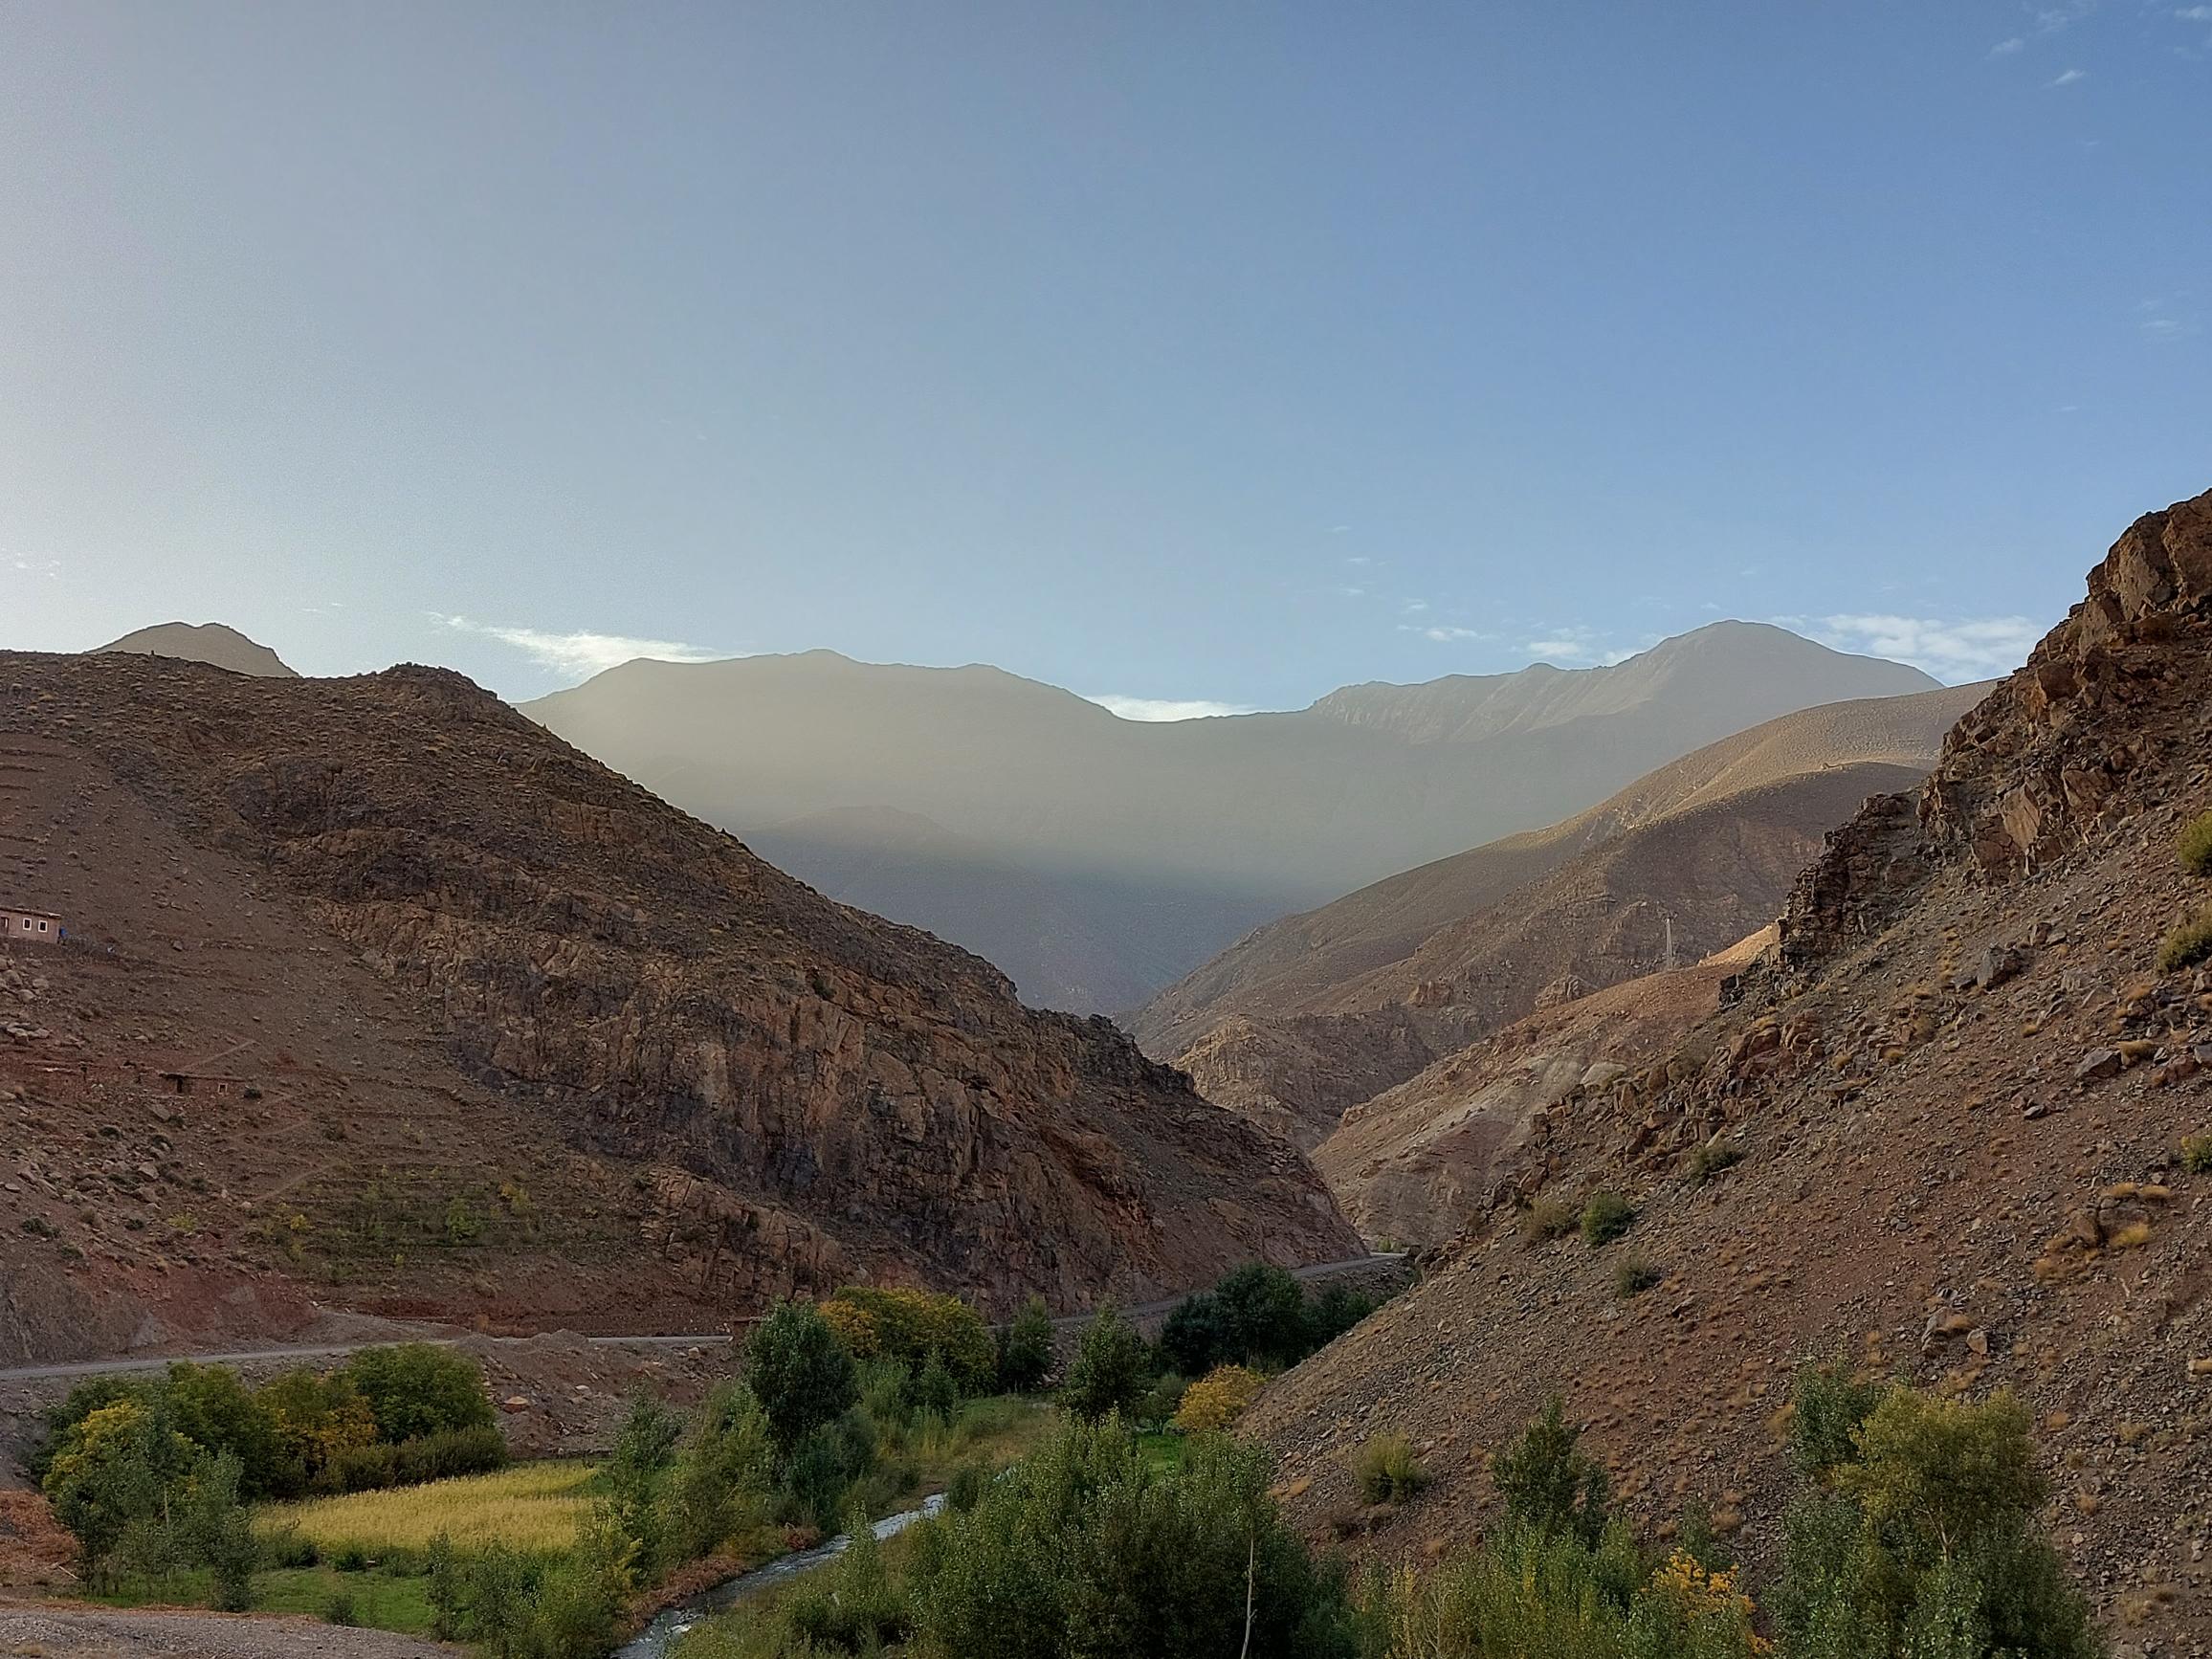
(339, 1350)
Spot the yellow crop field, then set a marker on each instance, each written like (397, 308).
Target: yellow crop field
(531, 1507)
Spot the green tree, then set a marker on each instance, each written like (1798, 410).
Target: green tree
(415, 1389)
(1549, 1484)
(214, 1410)
(1196, 1335)
(634, 1473)
(800, 1372)
(1263, 1311)
(113, 1472)
(1026, 1349)
(723, 1474)
(935, 1392)
(1110, 1369)
(1921, 1543)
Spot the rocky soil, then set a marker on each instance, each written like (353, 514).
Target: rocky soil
(1958, 1098)
(476, 1030)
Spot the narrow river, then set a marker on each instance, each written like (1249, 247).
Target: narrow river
(659, 1639)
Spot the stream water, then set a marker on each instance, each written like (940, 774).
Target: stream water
(658, 1639)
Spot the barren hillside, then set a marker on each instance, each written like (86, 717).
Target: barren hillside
(483, 1028)
(1308, 1017)
(1958, 1102)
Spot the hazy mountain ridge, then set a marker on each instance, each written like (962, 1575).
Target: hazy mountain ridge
(213, 643)
(1217, 822)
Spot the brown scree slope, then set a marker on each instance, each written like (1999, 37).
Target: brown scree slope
(453, 956)
(1959, 1097)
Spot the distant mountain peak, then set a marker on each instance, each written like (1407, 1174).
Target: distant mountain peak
(208, 642)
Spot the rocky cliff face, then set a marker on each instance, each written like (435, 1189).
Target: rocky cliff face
(805, 1092)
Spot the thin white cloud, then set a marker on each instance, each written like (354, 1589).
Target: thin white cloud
(2069, 76)
(1444, 633)
(1154, 710)
(1414, 607)
(2007, 48)
(47, 567)
(1577, 648)
(1974, 648)
(2195, 14)
(581, 655)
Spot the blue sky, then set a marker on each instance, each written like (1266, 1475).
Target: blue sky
(1216, 354)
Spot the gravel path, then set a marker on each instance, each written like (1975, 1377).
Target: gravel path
(55, 1632)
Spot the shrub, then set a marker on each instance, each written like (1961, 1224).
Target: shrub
(1195, 1335)
(214, 1410)
(1605, 1218)
(1334, 1312)
(1549, 1484)
(909, 1325)
(2193, 845)
(1218, 1399)
(1109, 1370)
(443, 1592)
(1922, 1540)
(1547, 1218)
(1714, 1157)
(2189, 944)
(1633, 1274)
(1263, 1314)
(1087, 1546)
(1026, 1349)
(634, 1472)
(1385, 1470)
(340, 1609)
(1826, 1406)
(415, 1390)
(123, 1466)
(853, 1607)
(722, 1473)
(316, 1420)
(935, 1392)
(443, 1456)
(1163, 1400)
(2196, 1153)
(965, 1489)
(800, 1372)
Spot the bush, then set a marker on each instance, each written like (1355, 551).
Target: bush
(2193, 845)
(801, 1372)
(722, 1475)
(214, 1410)
(1922, 1540)
(2196, 1153)
(1109, 1370)
(1334, 1312)
(341, 1610)
(443, 1456)
(1549, 1484)
(1633, 1274)
(1385, 1470)
(417, 1389)
(1605, 1218)
(1195, 1335)
(935, 1393)
(1714, 1157)
(909, 1325)
(1026, 1349)
(446, 1587)
(1547, 1218)
(118, 1470)
(2189, 944)
(318, 1419)
(1826, 1406)
(1163, 1400)
(1263, 1315)
(1218, 1399)
(853, 1607)
(1089, 1547)
(966, 1487)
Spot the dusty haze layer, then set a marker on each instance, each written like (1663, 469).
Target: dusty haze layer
(1095, 858)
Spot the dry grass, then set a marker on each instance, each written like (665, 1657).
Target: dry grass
(533, 1507)
(2189, 944)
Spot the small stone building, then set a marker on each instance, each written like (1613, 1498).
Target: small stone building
(30, 926)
